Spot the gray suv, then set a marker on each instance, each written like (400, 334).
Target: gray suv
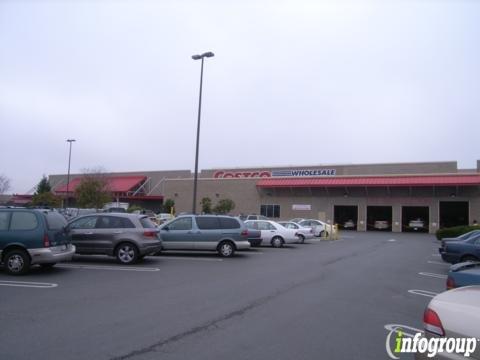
(223, 234)
(128, 237)
(29, 237)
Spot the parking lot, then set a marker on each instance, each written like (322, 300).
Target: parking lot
(322, 299)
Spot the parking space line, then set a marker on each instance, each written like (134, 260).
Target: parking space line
(438, 276)
(438, 263)
(187, 258)
(391, 240)
(402, 328)
(103, 267)
(426, 293)
(38, 285)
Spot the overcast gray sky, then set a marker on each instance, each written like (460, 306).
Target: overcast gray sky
(292, 83)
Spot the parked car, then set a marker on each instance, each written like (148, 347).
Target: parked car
(453, 314)
(223, 234)
(465, 236)
(273, 233)
(29, 237)
(417, 224)
(454, 251)
(254, 217)
(463, 274)
(349, 224)
(297, 220)
(303, 233)
(128, 237)
(319, 228)
(381, 225)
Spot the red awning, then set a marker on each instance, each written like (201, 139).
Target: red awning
(373, 181)
(116, 184)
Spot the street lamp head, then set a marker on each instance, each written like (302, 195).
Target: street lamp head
(71, 140)
(207, 54)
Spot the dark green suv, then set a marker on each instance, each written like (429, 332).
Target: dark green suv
(29, 237)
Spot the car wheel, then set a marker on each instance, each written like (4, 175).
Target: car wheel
(277, 242)
(468, 258)
(301, 238)
(17, 262)
(47, 265)
(226, 249)
(126, 253)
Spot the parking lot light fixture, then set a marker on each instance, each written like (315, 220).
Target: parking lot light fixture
(70, 141)
(195, 180)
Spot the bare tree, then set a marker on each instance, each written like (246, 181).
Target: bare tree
(4, 184)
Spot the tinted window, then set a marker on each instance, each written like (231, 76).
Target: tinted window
(181, 224)
(4, 216)
(113, 222)
(147, 223)
(207, 222)
(55, 221)
(229, 223)
(84, 223)
(23, 221)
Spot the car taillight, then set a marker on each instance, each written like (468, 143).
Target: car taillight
(244, 233)
(451, 283)
(432, 322)
(46, 240)
(150, 234)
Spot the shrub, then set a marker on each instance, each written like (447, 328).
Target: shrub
(455, 231)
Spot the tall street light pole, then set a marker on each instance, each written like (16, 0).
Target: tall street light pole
(195, 179)
(70, 141)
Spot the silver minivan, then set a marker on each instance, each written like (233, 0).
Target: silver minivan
(223, 234)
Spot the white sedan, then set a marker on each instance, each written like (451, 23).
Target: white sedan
(319, 227)
(273, 233)
(303, 233)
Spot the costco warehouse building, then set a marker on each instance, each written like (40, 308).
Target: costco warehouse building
(438, 193)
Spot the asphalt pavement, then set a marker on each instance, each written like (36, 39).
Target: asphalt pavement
(319, 300)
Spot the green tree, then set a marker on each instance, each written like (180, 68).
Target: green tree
(46, 199)
(168, 205)
(224, 206)
(206, 203)
(43, 186)
(43, 195)
(92, 192)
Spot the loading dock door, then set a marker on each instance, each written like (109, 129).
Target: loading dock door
(453, 213)
(415, 218)
(346, 216)
(379, 218)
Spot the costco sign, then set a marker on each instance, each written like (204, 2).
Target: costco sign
(241, 174)
(276, 173)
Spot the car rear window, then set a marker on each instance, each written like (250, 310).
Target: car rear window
(114, 222)
(229, 223)
(207, 222)
(23, 221)
(147, 223)
(55, 221)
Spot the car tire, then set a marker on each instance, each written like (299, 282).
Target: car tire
(468, 258)
(16, 262)
(277, 242)
(301, 238)
(226, 249)
(126, 253)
